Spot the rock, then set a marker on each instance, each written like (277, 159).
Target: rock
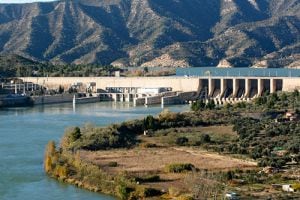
(166, 60)
(224, 64)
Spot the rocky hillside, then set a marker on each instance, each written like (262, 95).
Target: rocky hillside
(264, 33)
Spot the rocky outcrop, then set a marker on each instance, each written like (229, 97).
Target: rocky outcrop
(165, 60)
(224, 64)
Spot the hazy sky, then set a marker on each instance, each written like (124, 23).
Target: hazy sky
(22, 1)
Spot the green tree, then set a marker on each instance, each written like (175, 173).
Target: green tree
(75, 134)
(61, 89)
(210, 105)
(198, 105)
(149, 122)
(295, 93)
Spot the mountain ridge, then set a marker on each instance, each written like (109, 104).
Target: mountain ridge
(175, 33)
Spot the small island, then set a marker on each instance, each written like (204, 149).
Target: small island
(248, 150)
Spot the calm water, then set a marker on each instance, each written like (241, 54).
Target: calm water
(24, 133)
(213, 71)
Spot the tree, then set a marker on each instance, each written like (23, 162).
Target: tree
(210, 105)
(296, 93)
(198, 105)
(75, 134)
(61, 89)
(146, 70)
(149, 122)
(50, 157)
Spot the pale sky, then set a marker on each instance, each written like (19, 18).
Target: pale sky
(22, 1)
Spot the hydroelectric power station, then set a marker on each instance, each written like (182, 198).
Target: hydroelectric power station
(175, 89)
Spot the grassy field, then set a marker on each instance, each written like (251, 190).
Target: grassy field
(147, 160)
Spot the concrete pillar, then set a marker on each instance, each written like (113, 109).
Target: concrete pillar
(235, 85)
(247, 87)
(116, 97)
(223, 87)
(260, 86)
(272, 85)
(211, 87)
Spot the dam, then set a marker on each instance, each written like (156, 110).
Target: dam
(173, 89)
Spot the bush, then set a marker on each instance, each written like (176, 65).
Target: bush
(205, 138)
(124, 191)
(142, 192)
(148, 179)
(182, 141)
(179, 167)
(148, 145)
(112, 164)
(151, 192)
(184, 197)
(76, 134)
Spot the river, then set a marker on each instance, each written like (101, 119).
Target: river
(24, 133)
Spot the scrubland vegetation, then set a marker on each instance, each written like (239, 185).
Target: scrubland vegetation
(192, 155)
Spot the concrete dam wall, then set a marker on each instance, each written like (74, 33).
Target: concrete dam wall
(226, 89)
(176, 83)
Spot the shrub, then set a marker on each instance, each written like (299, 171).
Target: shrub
(182, 141)
(151, 192)
(76, 134)
(149, 179)
(296, 186)
(112, 164)
(179, 167)
(142, 192)
(185, 197)
(205, 138)
(124, 191)
(229, 175)
(148, 145)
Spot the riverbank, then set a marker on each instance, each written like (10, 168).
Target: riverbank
(125, 161)
(185, 155)
(143, 172)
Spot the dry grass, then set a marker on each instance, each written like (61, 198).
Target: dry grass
(155, 159)
(142, 161)
(145, 161)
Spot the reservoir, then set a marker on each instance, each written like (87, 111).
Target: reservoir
(24, 133)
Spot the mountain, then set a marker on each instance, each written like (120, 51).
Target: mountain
(15, 65)
(264, 33)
